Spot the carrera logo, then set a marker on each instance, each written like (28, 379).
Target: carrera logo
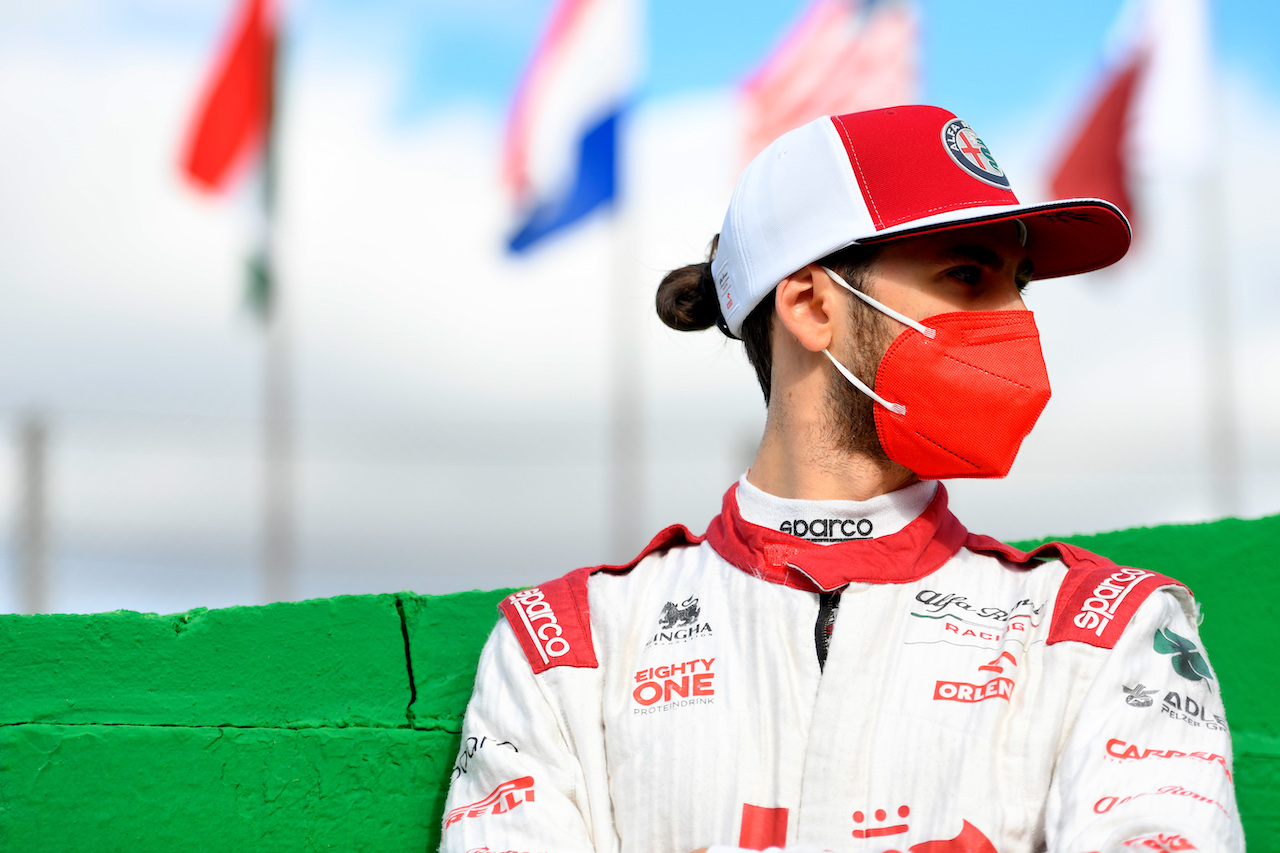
(829, 529)
(1117, 748)
(1100, 608)
(960, 691)
(970, 153)
(676, 685)
(1106, 804)
(548, 637)
(504, 798)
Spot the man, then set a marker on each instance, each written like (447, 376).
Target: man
(839, 664)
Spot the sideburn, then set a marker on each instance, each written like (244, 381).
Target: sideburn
(851, 413)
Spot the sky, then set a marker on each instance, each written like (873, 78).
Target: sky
(452, 401)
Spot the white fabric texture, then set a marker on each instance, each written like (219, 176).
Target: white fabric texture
(942, 715)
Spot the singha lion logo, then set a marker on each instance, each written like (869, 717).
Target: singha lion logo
(685, 614)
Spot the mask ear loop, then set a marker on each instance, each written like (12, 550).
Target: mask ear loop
(896, 408)
(880, 306)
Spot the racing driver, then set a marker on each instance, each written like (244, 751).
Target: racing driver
(837, 663)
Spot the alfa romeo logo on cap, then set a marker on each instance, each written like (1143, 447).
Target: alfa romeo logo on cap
(971, 154)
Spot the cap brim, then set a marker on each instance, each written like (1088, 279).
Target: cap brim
(1064, 237)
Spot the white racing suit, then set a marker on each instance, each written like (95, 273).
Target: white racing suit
(969, 698)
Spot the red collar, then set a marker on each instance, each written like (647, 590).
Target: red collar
(913, 552)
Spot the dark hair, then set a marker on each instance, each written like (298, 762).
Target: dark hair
(686, 298)
(687, 302)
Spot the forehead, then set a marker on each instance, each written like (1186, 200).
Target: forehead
(974, 242)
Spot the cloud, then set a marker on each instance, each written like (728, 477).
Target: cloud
(453, 402)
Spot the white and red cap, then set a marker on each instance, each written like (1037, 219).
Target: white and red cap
(880, 175)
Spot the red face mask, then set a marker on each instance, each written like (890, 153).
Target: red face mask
(958, 393)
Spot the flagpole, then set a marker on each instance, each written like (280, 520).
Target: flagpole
(626, 406)
(267, 293)
(1215, 310)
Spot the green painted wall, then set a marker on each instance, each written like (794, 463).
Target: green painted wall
(333, 724)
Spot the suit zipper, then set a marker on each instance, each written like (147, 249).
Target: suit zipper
(828, 603)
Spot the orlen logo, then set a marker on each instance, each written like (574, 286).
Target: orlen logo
(658, 684)
(547, 638)
(959, 691)
(503, 799)
(1100, 608)
(1117, 748)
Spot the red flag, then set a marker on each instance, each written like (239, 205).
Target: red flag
(842, 56)
(1096, 164)
(235, 113)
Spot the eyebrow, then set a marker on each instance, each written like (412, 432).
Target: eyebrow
(988, 258)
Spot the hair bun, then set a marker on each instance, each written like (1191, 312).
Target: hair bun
(686, 298)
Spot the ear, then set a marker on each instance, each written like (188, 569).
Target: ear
(811, 307)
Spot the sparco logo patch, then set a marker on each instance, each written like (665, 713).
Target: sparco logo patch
(504, 798)
(552, 622)
(1100, 608)
(677, 685)
(538, 617)
(1094, 605)
(828, 529)
(1117, 748)
(678, 624)
(970, 153)
(962, 691)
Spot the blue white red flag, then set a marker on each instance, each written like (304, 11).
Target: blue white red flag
(560, 156)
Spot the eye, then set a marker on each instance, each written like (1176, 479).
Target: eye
(968, 275)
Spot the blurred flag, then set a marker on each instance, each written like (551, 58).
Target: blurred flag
(235, 112)
(234, 124)
(842, 56)
(1152, 112)
(560, 156)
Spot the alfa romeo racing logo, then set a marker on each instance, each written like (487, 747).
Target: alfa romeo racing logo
(971, 154)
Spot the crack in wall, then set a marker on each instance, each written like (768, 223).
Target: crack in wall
(430, 727)
(408, 663)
